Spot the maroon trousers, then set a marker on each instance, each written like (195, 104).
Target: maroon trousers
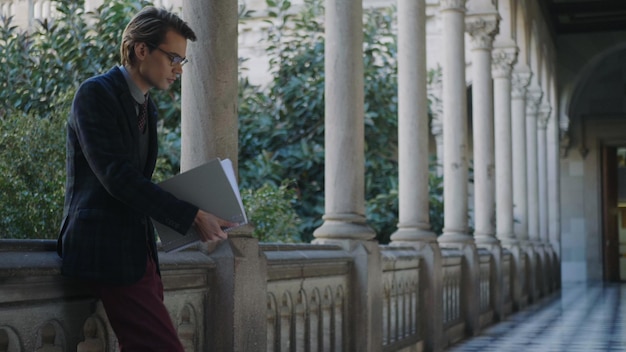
(138, 315)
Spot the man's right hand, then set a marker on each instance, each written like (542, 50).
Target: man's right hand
(210, 227)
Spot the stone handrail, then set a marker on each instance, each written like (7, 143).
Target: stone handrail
(240, 295)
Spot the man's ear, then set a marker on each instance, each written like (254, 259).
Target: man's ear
(141, 50)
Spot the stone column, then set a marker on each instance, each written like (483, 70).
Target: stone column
(503, 59)
(455, 172)
(413, 170)
(482, 28)
(209, 89)
(209, 130)
(521, 79)
(532, 174)
(414, 225)
(554, 202)
(344, 219)
(344, 143)
(533, 249)
(454, 98)
(504, 56)
(543, 119)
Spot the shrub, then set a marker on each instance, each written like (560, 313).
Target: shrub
(32, 174)
(271, 211)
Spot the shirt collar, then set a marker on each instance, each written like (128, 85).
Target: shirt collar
(134, 90)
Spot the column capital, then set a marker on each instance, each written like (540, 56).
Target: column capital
(482, 29)
(543, 115)
(533, 100)
(503, 59)
(520, 82)
(452, 5)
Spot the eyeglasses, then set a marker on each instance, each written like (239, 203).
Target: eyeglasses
(174, 59)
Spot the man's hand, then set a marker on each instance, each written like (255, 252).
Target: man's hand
(210, 227)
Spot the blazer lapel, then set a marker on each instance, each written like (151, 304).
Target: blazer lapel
(153, 148)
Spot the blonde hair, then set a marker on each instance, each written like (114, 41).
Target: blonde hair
(150, 26)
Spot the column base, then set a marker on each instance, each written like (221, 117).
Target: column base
(483, 239)
(344, 229)
(412, 234)
(455, 237)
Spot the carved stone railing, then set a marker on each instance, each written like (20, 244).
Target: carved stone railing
(486, 287)
(402, 301)
(273, 297)
(453, 319)
(42, 311)
(507, 286)
(307, 308)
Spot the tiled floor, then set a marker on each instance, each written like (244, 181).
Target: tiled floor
(585, 318)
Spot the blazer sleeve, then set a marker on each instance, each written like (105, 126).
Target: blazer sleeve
(104, 132)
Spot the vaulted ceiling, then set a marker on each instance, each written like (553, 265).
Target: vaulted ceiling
(585, 16)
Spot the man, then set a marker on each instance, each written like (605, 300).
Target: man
(107, 238)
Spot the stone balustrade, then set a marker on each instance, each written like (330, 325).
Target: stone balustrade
(402, 303)
(308, 290)
(453, 319)
(486, 287)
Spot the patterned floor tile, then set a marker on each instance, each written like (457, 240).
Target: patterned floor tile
(589, 318)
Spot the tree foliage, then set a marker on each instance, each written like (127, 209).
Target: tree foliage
(281, 160)
(42, 69)
(282, 125)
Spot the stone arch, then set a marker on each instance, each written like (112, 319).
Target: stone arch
(315, 319)
(9, 340)
(188, 328)
(94, 334)
(50, 337)
(272, 322)
(576, 89)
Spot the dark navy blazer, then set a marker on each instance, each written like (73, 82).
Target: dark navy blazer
(106, 231)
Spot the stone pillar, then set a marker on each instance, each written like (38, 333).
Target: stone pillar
(455, 172)
(482, 27)
(209, 130)
(237, 302)
(344, 98)
(554, 202)
(532, 174)
(344, 218)
(414, 221)
(521, 79)
(534, 96)
(413, 170)
(543, 119)
(504, 57)
(209, 89)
